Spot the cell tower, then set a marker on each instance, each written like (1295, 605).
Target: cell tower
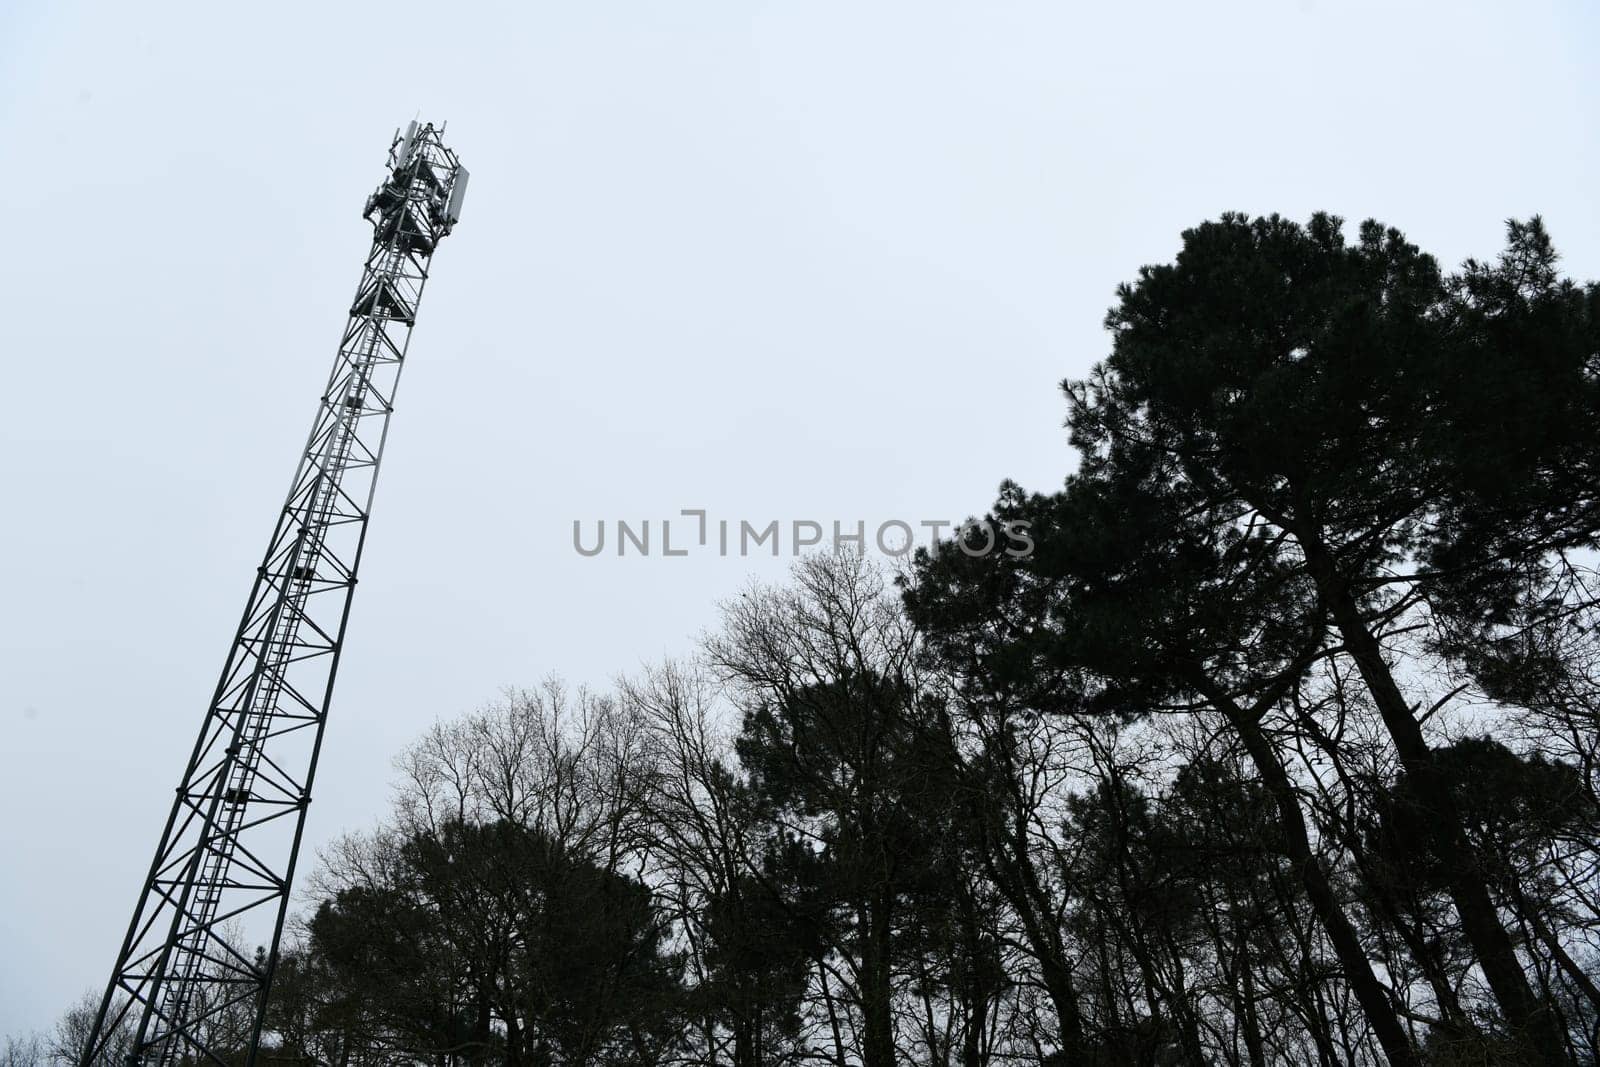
(189, 987)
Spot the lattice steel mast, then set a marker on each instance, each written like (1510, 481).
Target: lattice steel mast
(188, 986)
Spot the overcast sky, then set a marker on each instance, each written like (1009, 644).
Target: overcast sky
(802, 260)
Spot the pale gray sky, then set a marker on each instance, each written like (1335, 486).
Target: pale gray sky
(796, 260)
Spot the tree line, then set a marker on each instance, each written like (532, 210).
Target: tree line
(1282, 746)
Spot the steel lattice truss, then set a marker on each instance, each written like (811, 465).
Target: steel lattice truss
(189, 987)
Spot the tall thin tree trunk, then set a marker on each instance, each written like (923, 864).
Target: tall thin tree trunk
(1006, 859)
(877, 989)
(1524, 1011)
(833, 1015)
(1253, 1043)
(1547, 937)
(1319, 890)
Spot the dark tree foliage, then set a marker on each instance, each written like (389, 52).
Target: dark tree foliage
(490, 943)
(846, 759)
(1300, 452)
(758, 954)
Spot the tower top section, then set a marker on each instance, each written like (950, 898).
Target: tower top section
(420, 201)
